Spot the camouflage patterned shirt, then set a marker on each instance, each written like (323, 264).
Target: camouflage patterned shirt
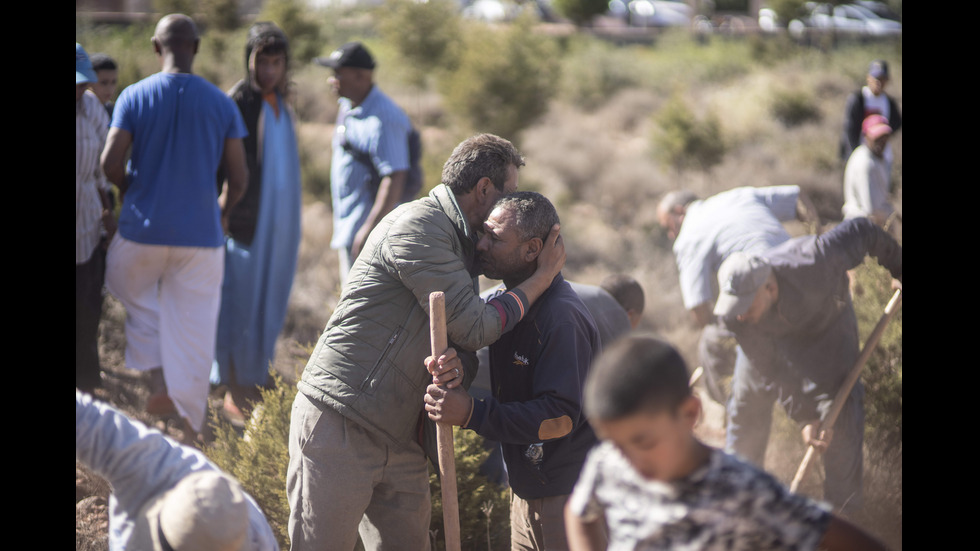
(726, 504)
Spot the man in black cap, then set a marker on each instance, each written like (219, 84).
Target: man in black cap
(869, 100)
(370, 161)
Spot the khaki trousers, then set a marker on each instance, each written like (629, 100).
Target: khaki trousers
(343, 480)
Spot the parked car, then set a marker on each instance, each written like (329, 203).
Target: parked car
(850, 19)
(880, 9)
(490, 11)
(653, 13)
(769, 21)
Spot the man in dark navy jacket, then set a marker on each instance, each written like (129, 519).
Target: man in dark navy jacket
(790, 309)
(536, 375)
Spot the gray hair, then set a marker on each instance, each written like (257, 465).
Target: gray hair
(483, 155)
(678, 198)
(534, 213)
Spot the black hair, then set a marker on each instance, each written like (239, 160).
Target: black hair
(638, 373)
(102, 62)
(627, 291)
(268, 38)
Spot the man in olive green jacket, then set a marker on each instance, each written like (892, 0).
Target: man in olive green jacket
(356, 464)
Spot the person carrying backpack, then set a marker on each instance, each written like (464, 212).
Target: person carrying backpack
(371, 162)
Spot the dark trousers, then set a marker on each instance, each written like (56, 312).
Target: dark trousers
(750, 418)
(89, 279)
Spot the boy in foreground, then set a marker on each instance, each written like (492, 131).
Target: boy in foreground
(651, 484)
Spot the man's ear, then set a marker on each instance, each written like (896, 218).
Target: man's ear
(532, 248)
(484, 187)
(156, 45)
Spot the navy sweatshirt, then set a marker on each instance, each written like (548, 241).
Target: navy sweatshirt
(537, 371)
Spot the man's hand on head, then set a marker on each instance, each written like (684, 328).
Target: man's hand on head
(552, 257)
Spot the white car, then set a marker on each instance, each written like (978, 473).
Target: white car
(847, 19)
(653, 13)
(769, 20)
(490, 11)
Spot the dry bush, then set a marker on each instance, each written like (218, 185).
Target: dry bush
(316, 286)
(593, 71)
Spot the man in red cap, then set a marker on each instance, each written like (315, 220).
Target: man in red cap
(867, 175)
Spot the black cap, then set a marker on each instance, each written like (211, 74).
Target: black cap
(878, 68)
(352, 54)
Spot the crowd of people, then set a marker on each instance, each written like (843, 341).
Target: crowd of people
(590, 422)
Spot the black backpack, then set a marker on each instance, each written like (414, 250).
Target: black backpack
(413, 180)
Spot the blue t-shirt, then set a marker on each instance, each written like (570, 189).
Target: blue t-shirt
(179, 123)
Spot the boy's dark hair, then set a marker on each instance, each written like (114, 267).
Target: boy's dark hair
(626, 290)
(636, 374)
(101, 62)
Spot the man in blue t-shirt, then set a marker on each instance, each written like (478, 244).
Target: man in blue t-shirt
(165, 263)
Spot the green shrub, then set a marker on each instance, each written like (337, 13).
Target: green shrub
(794, 107)
(581, 11)
(504, 81)
(258, 459)
(594, 70)
(296, 20)
(426, 35)
(165, 7)
(221, 14)
(882, 375)
(683, 140)
(788, 10)
(484, 508)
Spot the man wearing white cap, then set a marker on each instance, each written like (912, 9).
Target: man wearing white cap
(791, 312)
(165, 496)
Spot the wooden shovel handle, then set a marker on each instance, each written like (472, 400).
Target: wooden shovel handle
(845, 389)
(444, 432)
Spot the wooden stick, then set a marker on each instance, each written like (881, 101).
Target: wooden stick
(444, 432)
(849, 383)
